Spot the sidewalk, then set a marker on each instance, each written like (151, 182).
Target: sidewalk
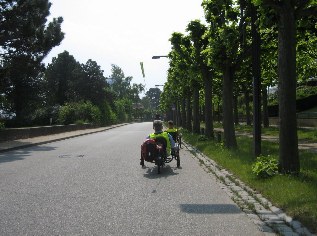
(23, 143)
(309, 146)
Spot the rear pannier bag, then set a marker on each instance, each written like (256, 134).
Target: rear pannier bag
(149, 150)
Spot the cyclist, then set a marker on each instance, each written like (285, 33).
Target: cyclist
(159, 134)
(172, 130)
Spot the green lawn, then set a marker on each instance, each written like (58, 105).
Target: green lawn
(297, 196)
(305, 135)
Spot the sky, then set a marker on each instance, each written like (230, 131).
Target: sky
(124, 33)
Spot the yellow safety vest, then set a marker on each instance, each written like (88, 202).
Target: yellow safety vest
(172, 132)
(165, 136)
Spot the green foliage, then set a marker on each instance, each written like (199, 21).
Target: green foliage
(153, 94)
(94, 83)
(265, 166)
(82, 111)
(108, 115)
(64, 80)
(305, 91)
(121, 110)
(26, 38)
(2, 126)
(202, 138)
(301, 92)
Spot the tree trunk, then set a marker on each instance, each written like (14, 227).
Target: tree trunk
(247, 106)
(18, 102)
(219, 112)
(196, 120)
(256, 72)
(183, 113)
(235, 109)
(189, 113)
(265, 108)
(227, 100)
(209, 129)
(288, 156)
(178, 114)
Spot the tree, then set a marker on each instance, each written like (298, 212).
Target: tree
(181, 76)
(288, 12)
(94, 83)
(197, 33)
(153, 94)
(125, 93)
(256, 74)
(120, 84)
(64, 76)
(25, 39)
(227, 52)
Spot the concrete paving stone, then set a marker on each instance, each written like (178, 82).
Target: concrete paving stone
(259, 223)
(275, 217)
(237, 188)
(258, 207)
(247, 211)
(264, 214)
(288, 219)
(253, 216)
(267, 230)
(290, 234)
(244, 193)
(245, 198)
(282, 216)
(275, 222)
(252, 201)
(276, 210)
(303, 231)
(295, 224)
(264, 201)
(282, 228)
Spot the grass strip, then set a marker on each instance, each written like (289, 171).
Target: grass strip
(304, 134)
(296, 195)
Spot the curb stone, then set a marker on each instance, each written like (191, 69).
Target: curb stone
(268, 218)
(46, 139)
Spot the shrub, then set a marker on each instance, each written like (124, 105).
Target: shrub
(202, 138)
(108, 115)
(120, 111)
(2, 125)
(42, 116)
(265, 166)
(83, 112)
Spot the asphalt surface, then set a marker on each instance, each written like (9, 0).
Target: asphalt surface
(94, 185)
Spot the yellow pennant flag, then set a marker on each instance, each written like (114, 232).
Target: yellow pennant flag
(142, 68)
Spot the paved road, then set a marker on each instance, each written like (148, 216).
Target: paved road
(94, 185)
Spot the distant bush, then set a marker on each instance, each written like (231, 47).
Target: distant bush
(42, 116)
(82, 112)
(305, 91)
(301, 92)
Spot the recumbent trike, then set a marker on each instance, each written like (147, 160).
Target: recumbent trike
(154, 150)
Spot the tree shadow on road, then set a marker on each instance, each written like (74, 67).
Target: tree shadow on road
(20, 154)
(166, 171)
(210, 208)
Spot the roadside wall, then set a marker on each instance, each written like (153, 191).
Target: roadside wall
(22, 133)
